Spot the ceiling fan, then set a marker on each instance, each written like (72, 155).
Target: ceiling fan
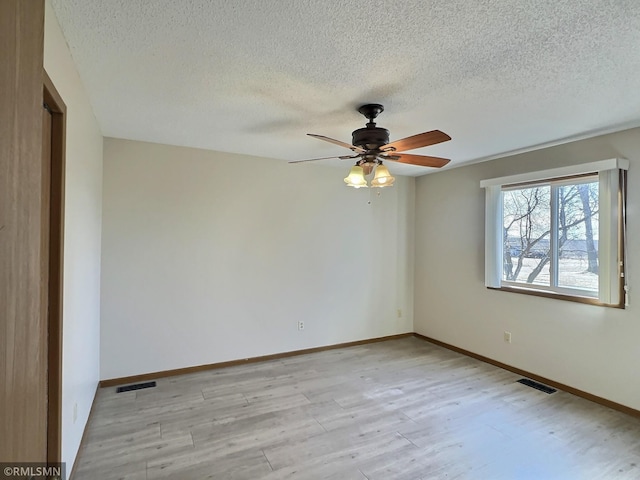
(371, 147)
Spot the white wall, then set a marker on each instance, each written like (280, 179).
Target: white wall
(591, 348)
(83, 205)
(209, 257)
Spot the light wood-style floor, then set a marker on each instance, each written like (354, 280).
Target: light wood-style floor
(396, 410)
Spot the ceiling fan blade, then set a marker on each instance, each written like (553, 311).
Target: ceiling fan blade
(325, 158)
(337, 142)
(416, 141)
(420, 160)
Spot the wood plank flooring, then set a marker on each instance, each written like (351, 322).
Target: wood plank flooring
(396, 410)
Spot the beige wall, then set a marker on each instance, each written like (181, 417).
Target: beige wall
(83, 206)
(209, 257)
(591, 348)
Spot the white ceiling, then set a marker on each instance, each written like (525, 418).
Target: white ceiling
(253, 76)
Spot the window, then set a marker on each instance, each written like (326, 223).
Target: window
(558, 233)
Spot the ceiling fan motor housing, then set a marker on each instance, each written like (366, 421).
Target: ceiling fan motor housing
(370, 138)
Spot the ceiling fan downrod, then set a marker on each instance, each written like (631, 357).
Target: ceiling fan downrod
(371, 111)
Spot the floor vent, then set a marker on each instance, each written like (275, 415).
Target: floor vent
(536, 385)
(136, 386)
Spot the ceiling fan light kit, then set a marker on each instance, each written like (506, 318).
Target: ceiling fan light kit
(356, 178)
(382, 178)
(371, 146)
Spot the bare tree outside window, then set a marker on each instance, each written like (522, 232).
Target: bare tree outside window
(529, 240)
(527, 226)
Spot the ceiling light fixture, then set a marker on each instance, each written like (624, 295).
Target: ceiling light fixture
(356, 177)
(382, 177)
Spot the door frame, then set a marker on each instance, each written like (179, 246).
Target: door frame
(56, 106)
(23, 376)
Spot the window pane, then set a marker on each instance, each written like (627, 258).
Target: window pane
(578, 237)
(527, 223)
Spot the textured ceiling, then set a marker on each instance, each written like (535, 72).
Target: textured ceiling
(253, 76)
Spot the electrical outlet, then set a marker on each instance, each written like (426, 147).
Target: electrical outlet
(507, 337)
(75, 412)
(300, 325)
(399, 313)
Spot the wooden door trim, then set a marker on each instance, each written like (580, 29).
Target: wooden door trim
(58, 110)
(23, 410)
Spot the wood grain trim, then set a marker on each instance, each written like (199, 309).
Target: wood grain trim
(511, 186)
(58, 110)
(45, 242)
(23, 377)
(200, 368)
(561, 386)
(83, 441)
(557, 296)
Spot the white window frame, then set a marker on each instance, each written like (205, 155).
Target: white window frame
(610, 256)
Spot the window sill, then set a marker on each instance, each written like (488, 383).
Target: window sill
(557, 296)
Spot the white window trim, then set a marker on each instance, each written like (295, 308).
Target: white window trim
(608, 171)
